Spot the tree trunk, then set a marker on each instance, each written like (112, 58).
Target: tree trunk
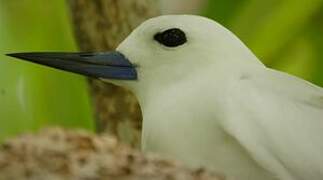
(100, 25)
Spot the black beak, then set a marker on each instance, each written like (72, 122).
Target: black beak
(108, 65)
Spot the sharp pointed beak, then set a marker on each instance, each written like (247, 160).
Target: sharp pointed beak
(108, 65)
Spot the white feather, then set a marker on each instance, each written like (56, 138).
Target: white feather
(211, 102)
(280, 123)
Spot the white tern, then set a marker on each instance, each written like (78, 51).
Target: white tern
(208, 101)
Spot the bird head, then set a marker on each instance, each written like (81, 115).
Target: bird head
(162, 50)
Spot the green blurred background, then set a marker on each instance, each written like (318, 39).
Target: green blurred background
(32, 96)
(284, 34)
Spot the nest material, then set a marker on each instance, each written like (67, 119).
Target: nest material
(57, 154)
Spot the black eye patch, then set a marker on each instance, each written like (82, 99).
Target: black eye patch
(171, 38)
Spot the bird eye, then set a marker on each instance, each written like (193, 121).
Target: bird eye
(171, 37)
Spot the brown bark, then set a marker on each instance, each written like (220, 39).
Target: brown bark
(100, 25)
(57, 154)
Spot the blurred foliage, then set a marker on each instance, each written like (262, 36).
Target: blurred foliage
(34, 96)
(285, 34)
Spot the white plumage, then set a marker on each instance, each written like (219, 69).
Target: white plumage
(210, 102)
